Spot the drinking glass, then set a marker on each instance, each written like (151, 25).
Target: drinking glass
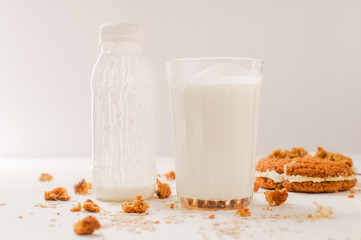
(214, 110)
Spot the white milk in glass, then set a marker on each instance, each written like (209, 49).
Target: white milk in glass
(214, 124)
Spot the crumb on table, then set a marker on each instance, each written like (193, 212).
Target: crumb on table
(45, 177)
(243, 212)
(86, 226)
(59, 193)
(351, 196)
(138, 205)
(163, 190)
(211, 216)
(276, 197)
(90, 206)
(82, 187)
(256, 186)
(170, 175)
(323, 212)
(76, 208)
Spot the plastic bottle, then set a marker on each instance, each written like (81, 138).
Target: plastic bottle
(123, 115)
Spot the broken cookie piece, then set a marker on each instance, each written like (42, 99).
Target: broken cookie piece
(137, 206)
(170, 175)
(82, 187)
(76, 208)
(243, 212)
(86, 226)
(276, 197)
(256, 186)
(90, 206)
(45, 177)
(59, 193)
(163, 190)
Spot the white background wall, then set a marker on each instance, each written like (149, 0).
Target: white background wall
(312, 74)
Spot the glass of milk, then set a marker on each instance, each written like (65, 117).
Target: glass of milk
(214, 108)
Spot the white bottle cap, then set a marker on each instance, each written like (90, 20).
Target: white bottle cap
(113, 32)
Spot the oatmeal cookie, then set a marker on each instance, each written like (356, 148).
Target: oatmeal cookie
(269, 170)
(323, 172)
(315, 175)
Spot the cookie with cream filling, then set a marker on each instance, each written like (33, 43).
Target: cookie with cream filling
(269, 170)
(315, 175)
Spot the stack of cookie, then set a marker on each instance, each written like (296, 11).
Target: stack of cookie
(299, 171)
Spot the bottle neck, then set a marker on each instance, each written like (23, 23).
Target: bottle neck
(134, 47)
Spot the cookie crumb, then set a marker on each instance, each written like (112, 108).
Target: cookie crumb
(309, 216)
(322, 211)
(244, 212)
(170, 175)
(171, 206)
(2, 204)
(21, 217)
(256, 186)
(276, 197)
(59, 193)
(82, 187)
(156, 222)
(86, 226)
(137, 206)
(45, 177)
(90, 206)
(76, 208)
(163, 190)
(211, 216)
(351, 196)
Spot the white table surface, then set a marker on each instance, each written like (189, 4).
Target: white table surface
(20, 190)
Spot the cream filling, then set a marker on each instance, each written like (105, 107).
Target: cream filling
(275, 176)
(298, 178)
